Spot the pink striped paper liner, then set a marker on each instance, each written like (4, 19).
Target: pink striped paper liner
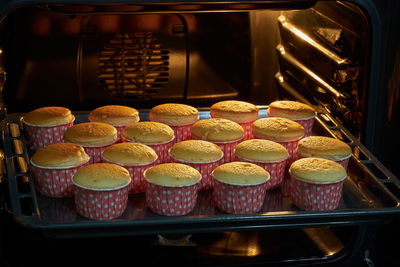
(137, 184)
(239, 199)
(170, 200)
(100, 204)
(161, 149)
(276, 170)
(183, 132)
(205, 168)
(54, 182)
(41, 136)
(309, 196)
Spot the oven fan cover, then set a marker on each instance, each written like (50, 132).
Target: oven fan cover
(133, 66)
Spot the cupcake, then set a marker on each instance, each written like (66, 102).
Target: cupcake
(93, 136)
(280, 130)
(116, 115)
(324, 147)
(202, 155)
(101, 191)
(297, 111)
(222, 132)
(239, 187)
(45, 126)
(171, 188)
(53, 167)
(316, 183)
(134, 157)
(156, 135)
(240, 112)
(268, 154)
(179, 117)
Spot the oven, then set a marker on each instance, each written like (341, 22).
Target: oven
(341, 57)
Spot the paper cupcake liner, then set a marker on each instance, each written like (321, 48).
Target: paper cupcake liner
(291, 147)
(315, 196)
(100, 205)
(56, 182)
(137, 184)
(206, 168)
(182, 133)
(275, 169)
(248, 133)
(229, 150)
(307, 124)
(161, 149)
(239, 199)
(95, 153)
(171, 201)
(41, 136)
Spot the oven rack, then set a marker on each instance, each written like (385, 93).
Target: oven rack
(371, 194)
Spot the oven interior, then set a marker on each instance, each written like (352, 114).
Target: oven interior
(82, 56)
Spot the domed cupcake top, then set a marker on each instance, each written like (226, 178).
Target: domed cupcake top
(196, 151)
(243, 173)
(115, 115)
(290, 109)
(91, 134)
(129, 154)
(277, 129)
(49, 116)
(148, 132)
(217, 130)
(102, 176)
(317, 170)
(60, 155)
(234, 110)
(323, 147)
(172, 174)
(174, 114)
(261, 150)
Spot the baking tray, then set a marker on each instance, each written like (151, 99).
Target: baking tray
(370, 195)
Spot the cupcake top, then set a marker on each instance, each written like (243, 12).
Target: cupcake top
(91, 134)
(323, 147)
(49, 116)
(196, 151)
(102, 176)
(243, 173)
(234, 110)
(129, 154)
(60, 155)
(318, 170)
(277, 129)
(174, 114)
(172, 174)
(217, 130)
(261, 150)
(290, 109)
(115, 115)
(148, 132)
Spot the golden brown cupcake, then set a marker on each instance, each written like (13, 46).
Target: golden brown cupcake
(49, 116)
(116, 115)
(234, 110)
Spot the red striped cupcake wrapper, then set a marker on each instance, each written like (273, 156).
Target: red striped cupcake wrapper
(276, 170)
(239, 199)
(100, 205)
(54, 182)
(161, 149)
(169, 200)
(315, 196)
(205, 168)
(41, 136)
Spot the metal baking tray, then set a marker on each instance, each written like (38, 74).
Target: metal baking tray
(371, 194)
